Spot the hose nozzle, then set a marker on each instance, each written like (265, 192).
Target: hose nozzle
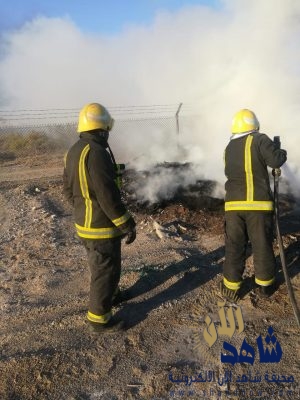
(276, 141)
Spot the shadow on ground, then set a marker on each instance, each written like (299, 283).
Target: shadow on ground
(193, 271)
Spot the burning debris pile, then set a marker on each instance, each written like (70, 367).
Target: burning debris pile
(166, 184)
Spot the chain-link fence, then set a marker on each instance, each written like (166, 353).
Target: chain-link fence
(135, 134)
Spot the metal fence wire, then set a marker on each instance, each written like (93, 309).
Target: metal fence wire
(27, 133)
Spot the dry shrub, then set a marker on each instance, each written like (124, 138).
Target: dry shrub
(33, 143)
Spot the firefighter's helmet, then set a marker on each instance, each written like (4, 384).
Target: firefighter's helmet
(245, 121)
(94, 116)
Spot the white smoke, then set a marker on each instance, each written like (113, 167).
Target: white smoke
(242, 54)
(292, 178)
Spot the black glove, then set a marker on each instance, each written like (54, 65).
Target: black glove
(284, 152)
(130, 237)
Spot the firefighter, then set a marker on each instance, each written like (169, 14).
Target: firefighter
(249, 205)
(101, 219)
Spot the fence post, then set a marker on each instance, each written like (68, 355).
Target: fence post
(177, 123)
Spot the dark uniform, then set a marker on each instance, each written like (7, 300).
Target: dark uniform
(101, 219)
(249, 207)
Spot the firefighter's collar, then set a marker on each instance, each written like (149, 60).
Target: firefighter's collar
(239, 135)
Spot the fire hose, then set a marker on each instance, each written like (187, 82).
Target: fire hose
(276, 173)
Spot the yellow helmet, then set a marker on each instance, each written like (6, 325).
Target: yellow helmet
(94, 116)
(244, 121)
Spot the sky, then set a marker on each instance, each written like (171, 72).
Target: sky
(100, 16)
(218, 56)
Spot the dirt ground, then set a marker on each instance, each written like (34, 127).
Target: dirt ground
(173, 270)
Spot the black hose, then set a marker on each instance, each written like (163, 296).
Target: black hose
(276, 174)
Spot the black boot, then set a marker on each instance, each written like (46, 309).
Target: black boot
(229, 294)
(112, 326)
(265, 291)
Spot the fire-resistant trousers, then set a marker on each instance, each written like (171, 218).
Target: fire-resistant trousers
(240, 227)
(104, 258)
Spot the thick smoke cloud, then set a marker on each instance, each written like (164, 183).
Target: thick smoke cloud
(243, 54)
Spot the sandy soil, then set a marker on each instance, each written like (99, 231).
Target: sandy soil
(173, 270)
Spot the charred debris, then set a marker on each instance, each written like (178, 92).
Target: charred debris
(197, 195)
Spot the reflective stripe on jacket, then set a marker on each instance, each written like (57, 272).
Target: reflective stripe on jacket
(89, 184)
(246, 160)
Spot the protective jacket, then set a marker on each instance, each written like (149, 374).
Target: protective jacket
(246, 159)
(90, 186)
